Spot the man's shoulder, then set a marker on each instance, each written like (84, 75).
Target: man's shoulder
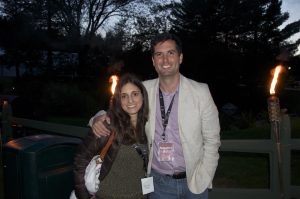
(150, 82)
(193, 83)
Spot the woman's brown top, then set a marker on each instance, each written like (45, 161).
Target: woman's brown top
(124, 178)
(128, 165)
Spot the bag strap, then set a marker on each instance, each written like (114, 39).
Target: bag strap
(107, 145)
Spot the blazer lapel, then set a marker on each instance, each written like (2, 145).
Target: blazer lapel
(152, 91)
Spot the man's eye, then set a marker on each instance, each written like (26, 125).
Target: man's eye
(158, 54)
(172, 53)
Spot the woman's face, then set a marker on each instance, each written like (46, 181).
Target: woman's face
(131, 99)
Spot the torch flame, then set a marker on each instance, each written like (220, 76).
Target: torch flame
(275, 78)
(114, 80)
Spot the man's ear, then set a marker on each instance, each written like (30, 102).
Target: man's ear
(152, 60)
(180, 58)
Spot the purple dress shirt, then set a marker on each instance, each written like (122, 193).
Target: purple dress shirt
(172, 136)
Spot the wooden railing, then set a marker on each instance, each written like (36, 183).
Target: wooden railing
(267, 146)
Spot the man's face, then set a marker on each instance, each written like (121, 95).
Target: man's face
(166, 59)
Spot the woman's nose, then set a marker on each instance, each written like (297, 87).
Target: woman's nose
(130, 98)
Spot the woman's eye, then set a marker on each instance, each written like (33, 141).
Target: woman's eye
(123, 96)
(136, 94)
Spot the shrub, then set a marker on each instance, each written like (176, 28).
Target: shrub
(62, 99)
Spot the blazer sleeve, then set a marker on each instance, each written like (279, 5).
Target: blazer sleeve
(90, 147)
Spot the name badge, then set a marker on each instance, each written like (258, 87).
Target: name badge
(166, 152)
(147, 185)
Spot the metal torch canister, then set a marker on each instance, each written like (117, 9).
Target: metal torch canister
(274, 117)
(274, 108)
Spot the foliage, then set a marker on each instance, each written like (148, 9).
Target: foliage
(67, 100)
(239, 40)
(226, 43)
(295, 127)
(243, 36)
(242, 120)
(143, 22)
(71, 26)
(40, 98)
(290, 99)
(72, 18)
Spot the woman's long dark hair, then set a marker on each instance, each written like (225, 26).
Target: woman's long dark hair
(120, 120)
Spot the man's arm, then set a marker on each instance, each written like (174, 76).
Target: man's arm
(211, 135)
(97, 124)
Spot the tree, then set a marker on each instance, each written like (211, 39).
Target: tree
(240, 39)
(144, 20)
(67, 24)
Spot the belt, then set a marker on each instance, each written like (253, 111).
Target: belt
(180, 175)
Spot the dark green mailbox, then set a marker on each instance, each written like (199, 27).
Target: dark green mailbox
(39, 167)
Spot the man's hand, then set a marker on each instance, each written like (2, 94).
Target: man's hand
(99, 127)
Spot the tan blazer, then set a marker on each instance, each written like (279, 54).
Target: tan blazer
(199, 131)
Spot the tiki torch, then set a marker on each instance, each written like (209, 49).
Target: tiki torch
(274, 117)
(113, 80)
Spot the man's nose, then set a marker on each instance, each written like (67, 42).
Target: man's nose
(165, 58)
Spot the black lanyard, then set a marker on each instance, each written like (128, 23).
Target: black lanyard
(164, 115)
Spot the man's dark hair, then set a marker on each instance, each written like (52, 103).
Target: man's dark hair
(162, 37)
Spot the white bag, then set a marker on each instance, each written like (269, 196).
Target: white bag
(91, 176)
(73, 196)
(92, 171)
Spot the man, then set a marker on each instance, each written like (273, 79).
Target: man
(183, 130)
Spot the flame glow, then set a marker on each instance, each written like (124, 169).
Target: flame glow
(113, 80)
(275, 79)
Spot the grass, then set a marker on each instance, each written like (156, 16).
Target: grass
(1, 179)
(236, 170)
(295, 165)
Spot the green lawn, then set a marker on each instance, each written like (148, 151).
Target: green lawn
(1, 178)
(236, 170)
(295, 165)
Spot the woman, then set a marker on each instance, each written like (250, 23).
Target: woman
(125, 162)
